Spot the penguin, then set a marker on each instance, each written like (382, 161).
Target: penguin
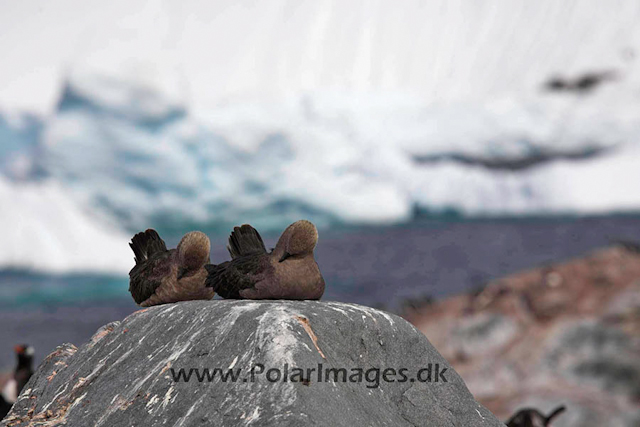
(529, 417)
(13, 383)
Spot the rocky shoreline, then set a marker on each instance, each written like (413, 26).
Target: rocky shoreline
(566, 333)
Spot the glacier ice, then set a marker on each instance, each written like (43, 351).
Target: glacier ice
(343, 158)
(45, 229)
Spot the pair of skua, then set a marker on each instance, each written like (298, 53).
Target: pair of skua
(289, 271)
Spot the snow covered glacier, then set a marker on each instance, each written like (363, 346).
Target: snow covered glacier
(355, 159)
(349, 114)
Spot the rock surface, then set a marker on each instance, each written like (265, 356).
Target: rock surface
(125, 375)
(561, 334)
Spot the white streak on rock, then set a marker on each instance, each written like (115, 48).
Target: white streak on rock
(233, 363)
(152, 402)
(181, 421)
(255, 415)
(167, 397)
(45, 407)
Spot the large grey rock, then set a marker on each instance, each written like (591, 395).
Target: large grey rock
(124, 376)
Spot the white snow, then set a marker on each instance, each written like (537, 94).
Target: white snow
(211, 52)
(43, 229)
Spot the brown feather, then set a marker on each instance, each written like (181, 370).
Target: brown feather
(288, 272)
(164, 276)
(245, 240)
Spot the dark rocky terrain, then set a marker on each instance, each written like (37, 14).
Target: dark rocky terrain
(565, 333)
(126, 373)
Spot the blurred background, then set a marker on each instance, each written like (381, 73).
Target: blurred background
(437, 145)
